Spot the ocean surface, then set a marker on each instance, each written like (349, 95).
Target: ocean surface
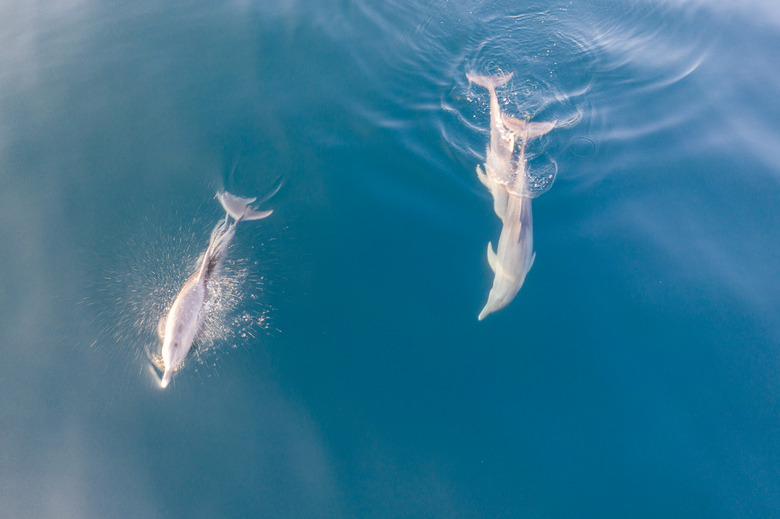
(342, 372)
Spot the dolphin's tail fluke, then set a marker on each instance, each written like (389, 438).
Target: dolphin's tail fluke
(238, 207)
(526, 129)
(489, 82)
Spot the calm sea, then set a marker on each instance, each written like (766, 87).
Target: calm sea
(343, 372)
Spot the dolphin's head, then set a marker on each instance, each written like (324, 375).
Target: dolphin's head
(169, 362)
(503, 292)
(174, 351)
(509, 278)
(514, 258)
(172, 355)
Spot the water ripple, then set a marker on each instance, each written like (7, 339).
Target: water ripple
(587, 66)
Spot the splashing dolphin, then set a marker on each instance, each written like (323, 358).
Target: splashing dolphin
(505, 176)
(182, 326)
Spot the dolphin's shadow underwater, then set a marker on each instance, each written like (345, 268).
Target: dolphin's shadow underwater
(505, 176)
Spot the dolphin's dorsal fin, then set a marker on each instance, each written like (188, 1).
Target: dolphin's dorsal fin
(491, 257)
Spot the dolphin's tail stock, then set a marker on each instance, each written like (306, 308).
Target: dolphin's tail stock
(221, 236)
(489, 82)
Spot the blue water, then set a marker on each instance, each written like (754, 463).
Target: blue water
(345, 373)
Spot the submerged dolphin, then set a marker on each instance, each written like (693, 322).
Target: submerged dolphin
(505, 176)
(182, 326)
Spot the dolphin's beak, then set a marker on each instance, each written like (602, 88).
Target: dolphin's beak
(165, 379)
(490, 306)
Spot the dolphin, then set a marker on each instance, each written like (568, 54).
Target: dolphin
(498, 161)
(182, 326)
(505, 176)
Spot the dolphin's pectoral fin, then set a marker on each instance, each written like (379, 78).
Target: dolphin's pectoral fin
(531, 262)
(500, 201)
(491, 257)
(499, 193)
(161, 328)
(482, 176)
